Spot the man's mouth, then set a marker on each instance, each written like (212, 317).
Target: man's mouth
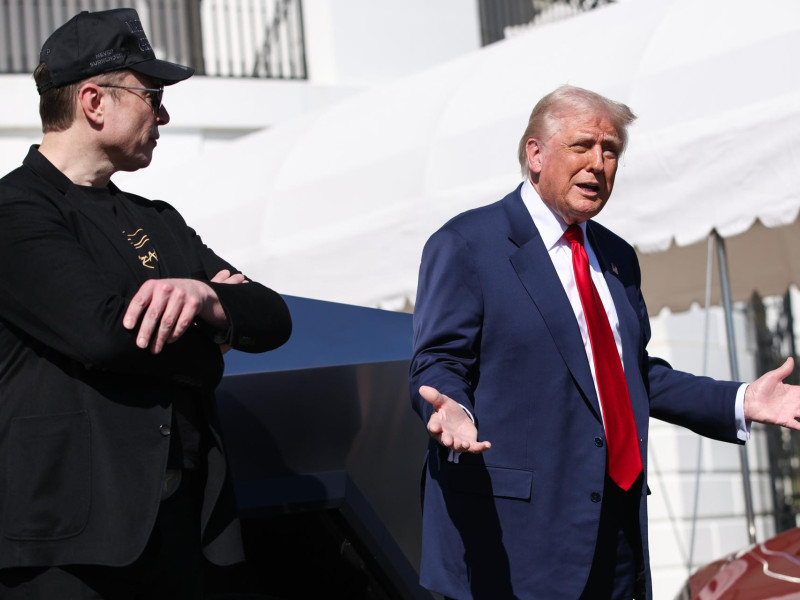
(588, 187)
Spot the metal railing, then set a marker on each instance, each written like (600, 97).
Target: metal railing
(225, 38)
(774, 327)
(502, 18)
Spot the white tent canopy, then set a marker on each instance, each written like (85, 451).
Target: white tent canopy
(337, 205)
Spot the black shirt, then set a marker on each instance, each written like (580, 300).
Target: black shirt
(188, 431)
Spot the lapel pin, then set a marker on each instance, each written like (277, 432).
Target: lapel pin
(615, 269)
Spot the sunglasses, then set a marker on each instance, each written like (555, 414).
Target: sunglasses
(156, 94)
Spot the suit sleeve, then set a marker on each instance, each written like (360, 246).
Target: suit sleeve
(448, 318)
(702, 404)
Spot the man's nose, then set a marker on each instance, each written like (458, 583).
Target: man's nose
(595, 159)
(162, 118)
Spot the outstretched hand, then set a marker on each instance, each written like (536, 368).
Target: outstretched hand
(769, 400)
(450, 425)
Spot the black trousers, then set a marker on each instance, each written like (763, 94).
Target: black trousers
(171, 566)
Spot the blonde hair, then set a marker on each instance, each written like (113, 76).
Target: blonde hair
(568, 98)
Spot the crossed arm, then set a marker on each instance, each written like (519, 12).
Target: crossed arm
(168, 307)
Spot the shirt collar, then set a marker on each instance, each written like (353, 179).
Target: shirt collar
(36, 162)
(551, 227)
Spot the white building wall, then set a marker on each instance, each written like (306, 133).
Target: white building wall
(204, 112)
(350, 44)
(369, 41)
(675, 454)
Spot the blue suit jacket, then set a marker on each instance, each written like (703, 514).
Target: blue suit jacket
(494, 330)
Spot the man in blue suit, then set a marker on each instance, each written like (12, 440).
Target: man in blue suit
(519, 497)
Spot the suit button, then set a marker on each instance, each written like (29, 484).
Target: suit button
(165, 430)
(598, 441)
(596, 497)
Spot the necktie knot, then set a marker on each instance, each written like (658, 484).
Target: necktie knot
(574, 234)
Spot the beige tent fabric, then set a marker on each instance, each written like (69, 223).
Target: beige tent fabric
(762, 259)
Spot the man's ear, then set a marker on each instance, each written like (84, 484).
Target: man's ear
(533, 150)
(90, 103)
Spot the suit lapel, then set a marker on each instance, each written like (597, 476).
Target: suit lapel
(172, 261)
(170, 253)
(629, 326)
(115, 237)
(628, 320)
(537, 274)
(76, 199)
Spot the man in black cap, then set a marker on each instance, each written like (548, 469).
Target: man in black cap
(113, 319)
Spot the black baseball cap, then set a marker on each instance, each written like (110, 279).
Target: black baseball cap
(91, 43)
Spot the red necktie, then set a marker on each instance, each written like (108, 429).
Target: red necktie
(624, 458)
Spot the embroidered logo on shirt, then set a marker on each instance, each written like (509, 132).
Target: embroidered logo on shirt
(141, 241)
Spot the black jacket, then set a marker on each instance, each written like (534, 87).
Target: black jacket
(83, 442)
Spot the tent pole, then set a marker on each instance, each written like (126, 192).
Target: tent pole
(706, 323)
(728, 308)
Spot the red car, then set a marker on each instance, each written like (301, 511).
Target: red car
(769, 570)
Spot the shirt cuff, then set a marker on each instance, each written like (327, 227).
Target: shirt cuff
(742, 426)
(452, 456)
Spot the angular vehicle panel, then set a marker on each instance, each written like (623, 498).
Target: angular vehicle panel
(769, 570)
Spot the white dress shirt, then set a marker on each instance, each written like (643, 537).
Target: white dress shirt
(551, 229)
